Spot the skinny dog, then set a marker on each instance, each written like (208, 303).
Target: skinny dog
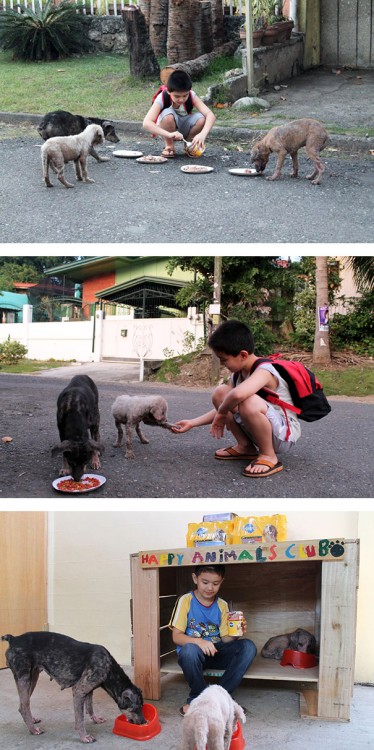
(287, 139)
(59, 122)
(81, 666)
(56, 152)
(77, 416)
(299, 640)
(131, 410)
(210, 720)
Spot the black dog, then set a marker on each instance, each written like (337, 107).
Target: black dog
(298, 640)
(60, 122)
(77, 416)
(81, 666)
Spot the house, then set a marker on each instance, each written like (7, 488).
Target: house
(11, 305)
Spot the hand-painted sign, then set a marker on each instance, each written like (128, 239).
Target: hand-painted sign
(321, 549)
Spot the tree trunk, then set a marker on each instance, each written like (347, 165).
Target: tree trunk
(195, 68)
(145, 7)
(203, 26)
(217, 289)
(143, 62)
(321, 350)
(158, 26)
(217, 23)
(181, 35)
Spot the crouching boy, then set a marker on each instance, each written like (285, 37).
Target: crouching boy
(200, 631)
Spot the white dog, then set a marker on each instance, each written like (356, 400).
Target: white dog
(211, 720)
(131, 410)
(57, 151)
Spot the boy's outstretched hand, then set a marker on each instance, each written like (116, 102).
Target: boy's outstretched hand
(218, 425)
(183, 426)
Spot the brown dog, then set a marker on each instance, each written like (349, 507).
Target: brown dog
(287, 139)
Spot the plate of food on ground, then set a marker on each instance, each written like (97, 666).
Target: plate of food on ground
(127, 154)
(152, 159)
(245, 172)
(87, 483)
(196, 169)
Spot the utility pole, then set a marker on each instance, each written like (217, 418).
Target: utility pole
(215, 311)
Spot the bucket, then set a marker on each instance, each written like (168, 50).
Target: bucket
(139, 732)
(237, 739)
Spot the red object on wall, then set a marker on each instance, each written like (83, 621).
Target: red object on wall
(96, 284)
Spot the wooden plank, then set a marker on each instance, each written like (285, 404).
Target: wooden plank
(261, 669)
(338, 636)
(308, 703)
(146, 624)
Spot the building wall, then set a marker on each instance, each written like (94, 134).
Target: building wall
(96, 284)
(89, 572)
(347, 33)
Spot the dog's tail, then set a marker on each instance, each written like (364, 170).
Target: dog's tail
(8, 638)
(239, 713)
(201, 731)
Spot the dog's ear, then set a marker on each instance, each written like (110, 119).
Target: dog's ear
(65, 445)
(96, 446)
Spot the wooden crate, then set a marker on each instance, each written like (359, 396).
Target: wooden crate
(317, 593)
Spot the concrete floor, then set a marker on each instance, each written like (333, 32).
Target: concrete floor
(273, 719)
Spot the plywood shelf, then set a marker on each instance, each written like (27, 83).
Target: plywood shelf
(261, 669)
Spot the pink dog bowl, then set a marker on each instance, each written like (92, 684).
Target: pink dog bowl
(140, 732)
(298, 659)
(237, 739)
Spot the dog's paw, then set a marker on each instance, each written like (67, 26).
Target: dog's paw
(104, 158)
(98, 719)
(88, 179)
(130, 455)
(36, 730)
(87, 738)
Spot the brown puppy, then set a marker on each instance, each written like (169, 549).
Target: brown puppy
(287, 139)
(57, 151)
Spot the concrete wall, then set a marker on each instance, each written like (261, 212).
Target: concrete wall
(89, 572)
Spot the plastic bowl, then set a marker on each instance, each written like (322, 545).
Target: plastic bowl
(140, 732)
(237, 739)
(298, 659)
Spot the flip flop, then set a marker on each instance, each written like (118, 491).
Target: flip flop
(272, 468)
(234, 455)
(168, 153)
(182, 713)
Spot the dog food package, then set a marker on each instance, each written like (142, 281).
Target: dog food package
(210, 533)
(219, 517)
(254, 529)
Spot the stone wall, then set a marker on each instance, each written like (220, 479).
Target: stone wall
(107, 34)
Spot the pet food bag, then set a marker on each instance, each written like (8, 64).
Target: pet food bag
(254, 529)
(210, 533)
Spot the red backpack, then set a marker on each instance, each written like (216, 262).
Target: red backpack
(166, 99)
(310, 402)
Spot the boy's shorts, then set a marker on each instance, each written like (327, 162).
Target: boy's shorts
(184, 123)
(279, 427)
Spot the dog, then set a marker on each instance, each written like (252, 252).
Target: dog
(81, 666)
(210, 720)
(59, 123)
(131, 410)
(300, 640)
(287, 139)
(77, 418)
(56, 152)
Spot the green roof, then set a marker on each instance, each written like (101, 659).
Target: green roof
(85, 268)
(13, 301)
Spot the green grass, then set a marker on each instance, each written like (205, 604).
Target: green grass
(352, 381)
(27, 366)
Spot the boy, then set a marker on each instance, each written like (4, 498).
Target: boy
(200, 632)
(261, 429)
(171, 114)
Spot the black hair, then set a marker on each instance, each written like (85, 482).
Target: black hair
(179, 80)
(219, 569)
(231, 338)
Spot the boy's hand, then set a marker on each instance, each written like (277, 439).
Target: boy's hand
(183, 426)
(218, 425)
(176, 136)
(208, 648)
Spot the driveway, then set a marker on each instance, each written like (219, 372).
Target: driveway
(333, 458)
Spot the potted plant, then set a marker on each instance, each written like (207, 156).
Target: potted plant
(276, 19)
(258, 22)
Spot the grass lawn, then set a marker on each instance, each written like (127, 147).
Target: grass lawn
(352, 381)
(28, 366)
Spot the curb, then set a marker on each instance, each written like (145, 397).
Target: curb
(346, 143)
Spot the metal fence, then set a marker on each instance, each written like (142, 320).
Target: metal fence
(93, 7)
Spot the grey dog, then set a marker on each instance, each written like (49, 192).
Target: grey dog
(299, 640)
(81, 666)
(57, 151)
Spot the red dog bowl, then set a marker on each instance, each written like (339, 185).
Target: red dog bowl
(140, 732)
(298, 659)
(237, 739)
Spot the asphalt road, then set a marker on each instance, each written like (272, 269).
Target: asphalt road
(138, 203)
(333, 458)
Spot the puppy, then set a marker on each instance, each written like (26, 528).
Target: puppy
(300, 640)
(211, 720)
(59, 123)
(81, 666)
(56, 152)
(77, 417)
(131, 410)
(287, 139)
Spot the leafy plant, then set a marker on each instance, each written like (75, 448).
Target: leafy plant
(11, 351)
(46, 34)
(355, 329)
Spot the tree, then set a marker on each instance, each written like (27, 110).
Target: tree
(363, 270)
(321, 349)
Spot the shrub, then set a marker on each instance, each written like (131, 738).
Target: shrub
(355, 329)
(262, 334)
(45, 34)
(11, 352)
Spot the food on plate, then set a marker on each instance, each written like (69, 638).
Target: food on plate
(196, 169)
(69, 485)
(151, 159)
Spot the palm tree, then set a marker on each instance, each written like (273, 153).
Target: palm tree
(362, 267)
(321, 349)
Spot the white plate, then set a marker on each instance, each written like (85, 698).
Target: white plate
(128, 154)
(150, 159)
(248, 172)
(56, 482)
(196, 169)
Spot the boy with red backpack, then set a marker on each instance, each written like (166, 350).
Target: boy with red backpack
(257, 405)
(171, 114)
